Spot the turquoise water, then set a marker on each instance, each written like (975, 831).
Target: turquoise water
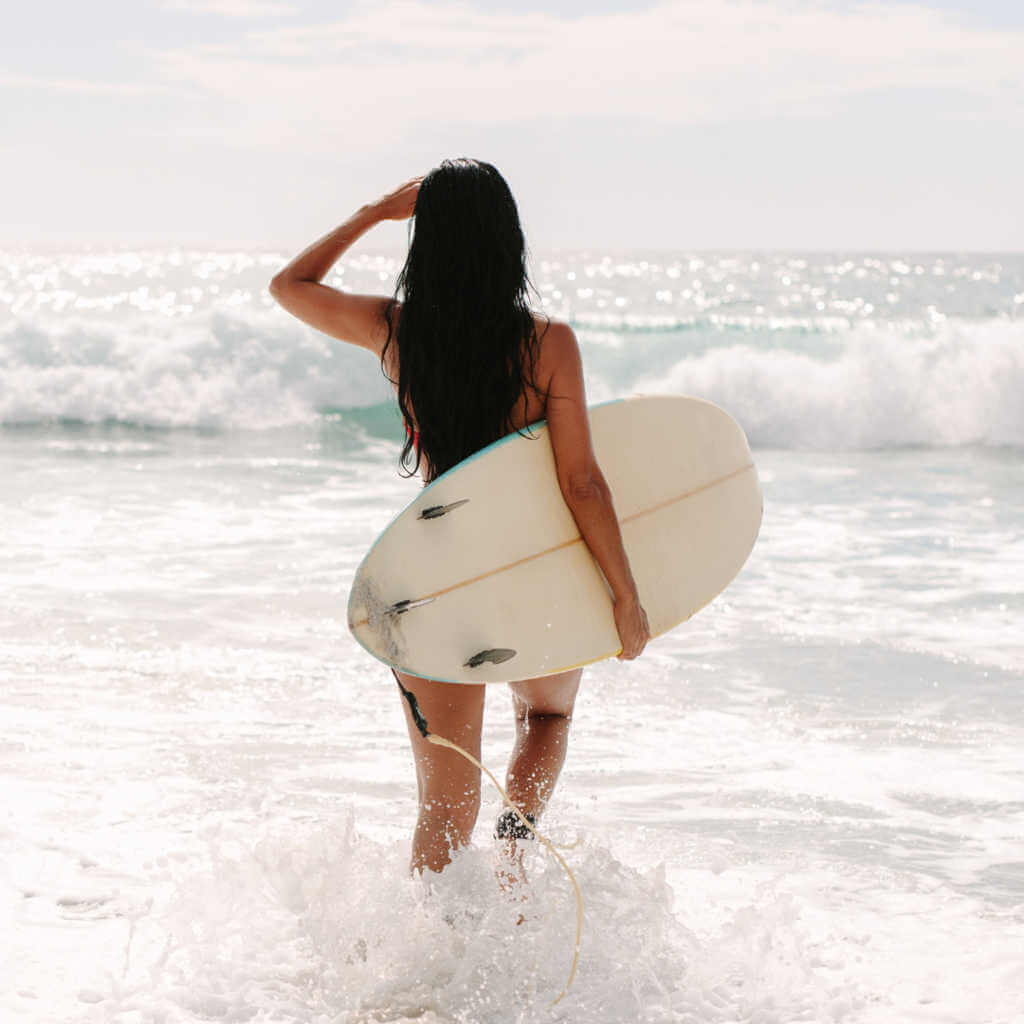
(805, 804)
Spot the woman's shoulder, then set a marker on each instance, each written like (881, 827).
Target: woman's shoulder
(557, 340)
(558, 334)
(558, 356)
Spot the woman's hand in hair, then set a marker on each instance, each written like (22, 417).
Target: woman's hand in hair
(400, 203)
(631, 622)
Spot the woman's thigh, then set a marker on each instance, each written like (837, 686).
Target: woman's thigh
(547, 695)
(456, 712)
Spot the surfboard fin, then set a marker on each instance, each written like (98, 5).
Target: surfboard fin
(399, 607)
(436, 511)
(495, 655)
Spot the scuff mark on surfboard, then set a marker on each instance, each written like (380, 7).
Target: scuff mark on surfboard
(381, 622)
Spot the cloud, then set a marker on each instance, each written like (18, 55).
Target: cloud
(232, 8)
(385, 68)
(85, 86)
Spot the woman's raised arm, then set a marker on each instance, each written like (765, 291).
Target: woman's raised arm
(349, 317)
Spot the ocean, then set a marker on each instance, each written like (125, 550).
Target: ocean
(806, 804)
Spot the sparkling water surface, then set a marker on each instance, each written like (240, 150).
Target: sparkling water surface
(807, 804)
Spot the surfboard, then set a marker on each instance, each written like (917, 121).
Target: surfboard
(484, 577)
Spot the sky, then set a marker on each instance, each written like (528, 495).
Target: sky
(682, 124)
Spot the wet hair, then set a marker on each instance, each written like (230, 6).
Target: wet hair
(467, 344)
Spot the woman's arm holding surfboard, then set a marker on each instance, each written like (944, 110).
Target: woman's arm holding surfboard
(358, 319)
(584, 487)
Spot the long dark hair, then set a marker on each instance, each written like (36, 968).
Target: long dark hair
(467, 344)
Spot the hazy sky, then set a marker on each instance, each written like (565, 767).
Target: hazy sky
(828, 124)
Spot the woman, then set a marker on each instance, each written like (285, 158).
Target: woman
(471, 363)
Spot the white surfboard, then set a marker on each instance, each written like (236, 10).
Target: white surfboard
(484, 578)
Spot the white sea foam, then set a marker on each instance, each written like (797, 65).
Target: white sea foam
(803, 805)
(345, 935)
(221, 369)
(813, 352)
(961, 385)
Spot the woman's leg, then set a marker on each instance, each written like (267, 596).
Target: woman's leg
(543, 709)
(448, 784)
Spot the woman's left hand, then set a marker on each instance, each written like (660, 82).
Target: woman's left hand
(400, 203)
(631, 623)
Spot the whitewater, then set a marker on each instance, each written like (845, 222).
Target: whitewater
(806, 804)
(832, 353)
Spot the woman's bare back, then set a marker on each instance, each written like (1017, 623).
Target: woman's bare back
(533, 406)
